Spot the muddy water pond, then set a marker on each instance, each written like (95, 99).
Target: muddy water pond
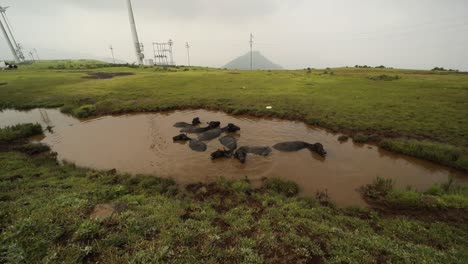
(142, 144)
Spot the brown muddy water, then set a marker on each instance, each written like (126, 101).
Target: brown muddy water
(142, 144)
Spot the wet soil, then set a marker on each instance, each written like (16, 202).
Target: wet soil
(142, 144)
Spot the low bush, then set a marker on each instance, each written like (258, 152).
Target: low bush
(441, 196)
(437, 152)
(385, 77)
(287, 188)
(381, 187)
(84, 111)
(32, 148)
(22, 131)
(364, 138)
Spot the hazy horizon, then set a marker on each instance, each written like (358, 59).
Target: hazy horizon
(296, 34)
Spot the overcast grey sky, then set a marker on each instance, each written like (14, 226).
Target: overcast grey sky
(418, 34)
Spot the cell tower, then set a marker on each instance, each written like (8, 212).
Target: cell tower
(8, 33)
(163, 55)
(138, 46)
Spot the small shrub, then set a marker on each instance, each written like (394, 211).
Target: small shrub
(314, 121)
(33, 148)
(363, 138)
(385, 77)
(287, 188)
(18, 132)
(87, 231)
(117, 240)
(241, 186)
(158, 185)
(380, 188)
(84, 111)
(433, 151)
(343, 138)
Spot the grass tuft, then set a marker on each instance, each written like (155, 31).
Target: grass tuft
(18, 132)
(437, 152)
(284, 187)
(84, 111)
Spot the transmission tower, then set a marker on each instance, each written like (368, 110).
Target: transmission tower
(112, 52)
(163, 53)
(170, 43)
(31, 54)
(37, 56)
(138, 46)
(8, 33)
(251, 51)
(188, 53)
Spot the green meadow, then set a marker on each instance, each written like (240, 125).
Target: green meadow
(60, 213)
(418, 105)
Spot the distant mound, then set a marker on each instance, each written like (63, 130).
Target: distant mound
(260, 62)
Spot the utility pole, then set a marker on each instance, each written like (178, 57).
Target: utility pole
(13, 51)
(251, 51)
(112, 51)
(188, 53)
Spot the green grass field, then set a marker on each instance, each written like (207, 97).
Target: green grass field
(46, 216)
(421, 105)
(53, 213)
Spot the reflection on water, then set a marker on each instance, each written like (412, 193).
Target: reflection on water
(142, 144)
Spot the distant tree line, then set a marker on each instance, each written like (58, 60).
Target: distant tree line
(442, 69)
(377, 67)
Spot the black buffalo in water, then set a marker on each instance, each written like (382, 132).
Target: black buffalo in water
(230, 128)
(229, 142)
(214, 133)
(181, 137)
(241, 153)
(194, 144)
(198, 146)
(193, 129)
(195, 122)
(221, 154)
(299, 145)
(210, 134)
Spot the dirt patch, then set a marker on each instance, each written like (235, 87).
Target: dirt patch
(106, 75)
(104, 211)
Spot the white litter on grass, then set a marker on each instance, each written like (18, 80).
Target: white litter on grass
(269, 107)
